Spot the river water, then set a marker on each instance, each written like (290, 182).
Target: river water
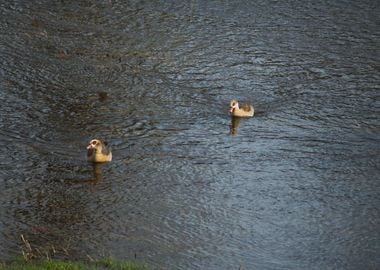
(295, 187)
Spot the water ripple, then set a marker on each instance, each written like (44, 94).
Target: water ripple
(291, 188)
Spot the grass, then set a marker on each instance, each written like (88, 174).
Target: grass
(38, 258)
(49, 264)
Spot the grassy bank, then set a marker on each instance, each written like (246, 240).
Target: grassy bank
(38, 257)
(106, 264)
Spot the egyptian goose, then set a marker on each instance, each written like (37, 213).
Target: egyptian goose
(246, 110)
(98, 151)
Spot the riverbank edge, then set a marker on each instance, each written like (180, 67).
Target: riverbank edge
(108, 263)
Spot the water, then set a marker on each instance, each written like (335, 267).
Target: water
(295, 187)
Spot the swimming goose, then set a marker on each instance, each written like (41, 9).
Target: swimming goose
(246, 110)
(98, 151)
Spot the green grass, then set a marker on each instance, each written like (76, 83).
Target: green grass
(103, 264)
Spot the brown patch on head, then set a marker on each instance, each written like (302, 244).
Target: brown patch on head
(233, 103)
(93, 144)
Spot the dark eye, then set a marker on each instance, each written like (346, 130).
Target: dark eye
(93, 142)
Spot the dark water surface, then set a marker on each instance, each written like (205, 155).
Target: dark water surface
(298, 186)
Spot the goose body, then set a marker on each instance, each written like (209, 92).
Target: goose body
(246, 110)
(98, 151)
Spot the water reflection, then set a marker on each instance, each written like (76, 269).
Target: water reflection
(235, 123)
(143, 75)
(97, 172)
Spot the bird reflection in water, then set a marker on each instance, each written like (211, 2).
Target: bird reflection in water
(235, 123)
(97, 172)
